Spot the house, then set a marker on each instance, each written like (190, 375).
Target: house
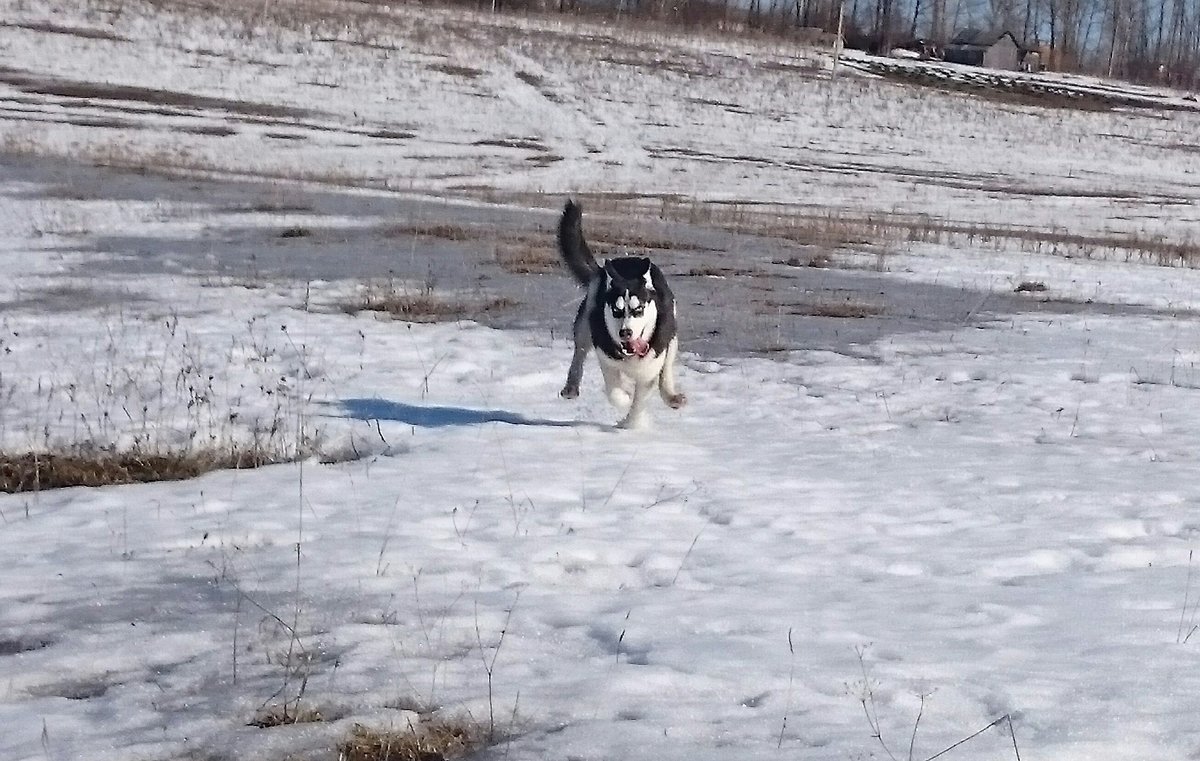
(994, 50)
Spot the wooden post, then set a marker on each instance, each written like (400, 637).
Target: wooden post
(837, 41)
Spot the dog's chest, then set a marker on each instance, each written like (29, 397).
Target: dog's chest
(640, 369)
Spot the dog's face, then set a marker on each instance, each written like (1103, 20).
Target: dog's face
(630, 310)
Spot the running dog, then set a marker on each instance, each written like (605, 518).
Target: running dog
(628, 315)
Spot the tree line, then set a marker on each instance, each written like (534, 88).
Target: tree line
(1139, 40)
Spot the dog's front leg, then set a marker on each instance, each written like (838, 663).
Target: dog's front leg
(667, 388)
(583, 344)
(575, 374)
(614, 385)
(636, 417)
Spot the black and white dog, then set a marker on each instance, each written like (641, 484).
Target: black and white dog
(628, 315)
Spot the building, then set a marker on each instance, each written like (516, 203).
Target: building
(993, 50)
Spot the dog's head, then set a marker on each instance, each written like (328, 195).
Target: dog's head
(630, 308)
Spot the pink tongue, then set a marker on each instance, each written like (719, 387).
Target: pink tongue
(640, 346)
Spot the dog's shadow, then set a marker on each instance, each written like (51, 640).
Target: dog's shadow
(436, 416)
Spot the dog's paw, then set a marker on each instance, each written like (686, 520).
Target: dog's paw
(569, 392)
(675, 401)
(634, 423)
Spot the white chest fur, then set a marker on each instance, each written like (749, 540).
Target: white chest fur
(637, 369)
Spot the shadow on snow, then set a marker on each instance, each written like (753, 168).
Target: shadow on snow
(433, 416)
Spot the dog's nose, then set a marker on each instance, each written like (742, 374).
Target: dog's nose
(626, 333)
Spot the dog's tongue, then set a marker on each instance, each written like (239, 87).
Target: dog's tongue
(638, 346)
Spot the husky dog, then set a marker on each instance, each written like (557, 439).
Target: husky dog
(628, 315)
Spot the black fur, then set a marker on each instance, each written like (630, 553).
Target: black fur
(573, 248)
(619, 278)
(665, 301)
(626, 273)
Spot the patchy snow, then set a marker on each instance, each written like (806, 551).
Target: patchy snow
(1001, 515)
(990, 518)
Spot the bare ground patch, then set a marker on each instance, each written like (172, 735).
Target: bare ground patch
(522, 143)
(540, 84)
(15, 645)
(71, 297)
(68, 88)
(1027, 91)
(454, 70)
(73, 31)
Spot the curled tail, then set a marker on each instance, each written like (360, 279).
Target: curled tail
(573, 248)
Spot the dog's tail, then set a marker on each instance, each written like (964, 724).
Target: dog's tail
(573, 248)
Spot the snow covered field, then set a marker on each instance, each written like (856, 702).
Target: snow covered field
(984, 514)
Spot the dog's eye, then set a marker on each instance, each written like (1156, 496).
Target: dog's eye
(618, 313)
(638, 312)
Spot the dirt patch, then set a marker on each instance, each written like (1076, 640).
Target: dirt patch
(523, 143)
(73, 689)
(210, 130)
(538, 83)
(68, 88)
(22, 645)
(1004, 88)
(390, 134)
(456, 71)
(73, 31)
(71, 298)
(660, 63)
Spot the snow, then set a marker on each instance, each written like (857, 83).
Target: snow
(991, 517)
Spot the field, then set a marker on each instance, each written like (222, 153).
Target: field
(281, 301)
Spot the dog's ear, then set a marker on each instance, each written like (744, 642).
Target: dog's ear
(629, 269)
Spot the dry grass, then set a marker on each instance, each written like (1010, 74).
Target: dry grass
(831, 230)
(714, 271)
(527, 259)
(852, 310)
(423, 305)
(38, 471)
(632, 239)
(435, 740)
(283, 715)
(823, 307)
(444, 232)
